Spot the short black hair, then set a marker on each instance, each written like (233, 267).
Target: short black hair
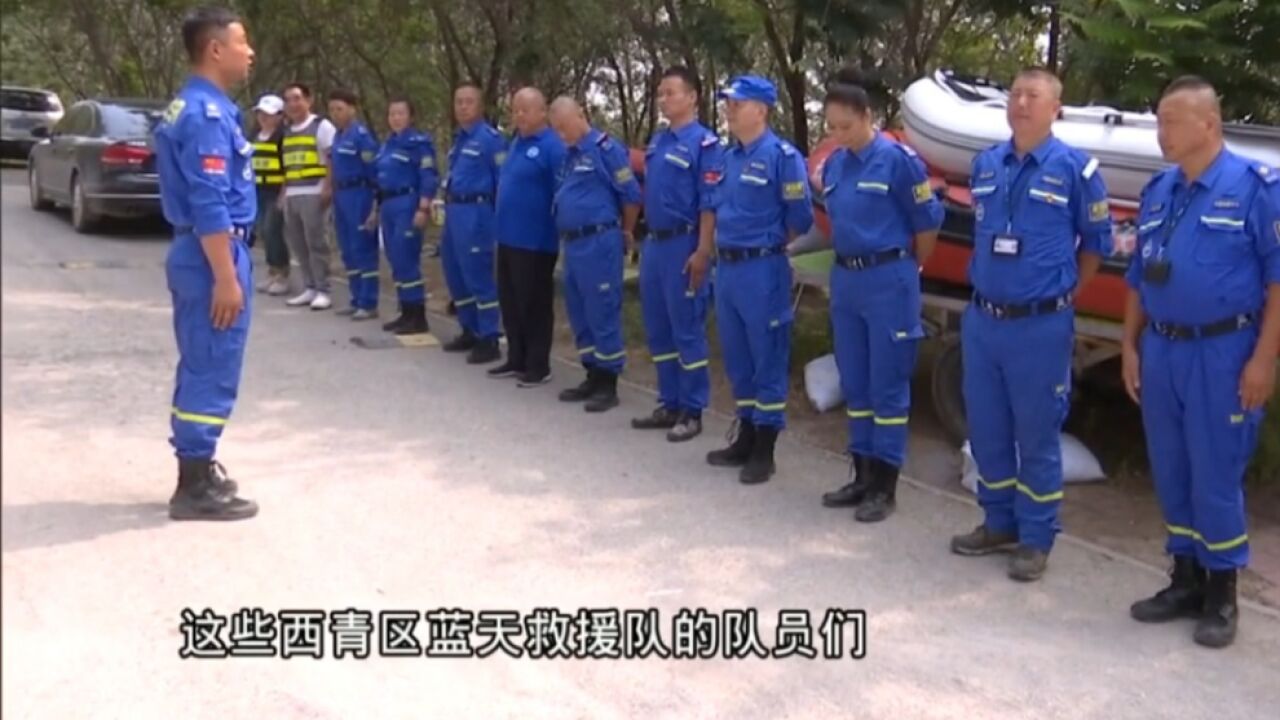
(403, 100)
(689, 77)
(306, 91)
(199, 26)
(1187, 82)
(344, 95)
(848, 88)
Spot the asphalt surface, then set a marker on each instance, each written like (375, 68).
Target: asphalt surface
(402, 479)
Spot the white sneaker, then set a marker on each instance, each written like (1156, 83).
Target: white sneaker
(322, 302)
(278, 286)
(306, 298)
(265, 285)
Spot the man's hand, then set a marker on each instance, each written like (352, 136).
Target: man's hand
(326, 196)
(629, 241)
(1257, 382)
(696, 268)
(421, 218)
(228, 303)
(371, 222)
(1131, 371)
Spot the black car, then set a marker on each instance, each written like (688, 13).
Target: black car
(98, 160)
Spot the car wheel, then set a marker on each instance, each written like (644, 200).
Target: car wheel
(82, 218)
(38, 201)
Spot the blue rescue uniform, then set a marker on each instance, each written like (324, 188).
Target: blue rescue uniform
(1218, 240)
(406, 173)
(354, 179)
(595, 183)
(467, 250)
(878, 199)
(680, 165)
(762, 195)
(1032, 216)
(206, 187)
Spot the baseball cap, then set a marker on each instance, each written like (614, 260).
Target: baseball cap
(270, 104)
(750, 87)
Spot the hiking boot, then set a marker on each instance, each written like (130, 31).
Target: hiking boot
(202, 494)
(853, 492)
(583, 391)
(663, 418)
(463, 342)
(1217, 626)
(687, 428)
(485, 351)
(1028, 563)
(983, 542)
(881, 497)
(605, 396)
(760, 466)
(1184, 598)
(415, 320)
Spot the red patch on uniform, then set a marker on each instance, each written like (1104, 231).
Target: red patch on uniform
(711, 176)
(214, 165)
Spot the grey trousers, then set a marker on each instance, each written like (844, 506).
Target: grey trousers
(304, 230)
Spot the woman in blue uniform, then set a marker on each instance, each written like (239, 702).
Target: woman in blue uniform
(407, 182)
(884, 224)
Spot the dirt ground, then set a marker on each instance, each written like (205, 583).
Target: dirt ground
(1120, 514)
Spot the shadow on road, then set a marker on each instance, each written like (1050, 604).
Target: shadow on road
(49, 524)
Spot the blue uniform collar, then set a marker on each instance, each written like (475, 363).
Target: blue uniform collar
(748, 149)
(468, 130)
(684, 130)
(869, 149)
(202, 83)
(1210, 175)
(536, 136)
(1040, 152)
(586, 141)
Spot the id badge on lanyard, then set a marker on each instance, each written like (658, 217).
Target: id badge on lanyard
(1158, 270)
(1007, 244)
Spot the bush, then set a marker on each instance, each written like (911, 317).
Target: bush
(1265, 470)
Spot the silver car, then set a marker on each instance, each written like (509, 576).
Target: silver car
(26, 116)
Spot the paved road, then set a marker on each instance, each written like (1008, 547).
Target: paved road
(401, 479)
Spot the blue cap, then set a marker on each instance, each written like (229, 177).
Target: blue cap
(750, 87)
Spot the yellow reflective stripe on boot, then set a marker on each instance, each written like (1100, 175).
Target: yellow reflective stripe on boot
(1051, 497)
(694, 366)
(1002, 485)
(859, 414)
(614, 356)
(198, 418)
(1214, 547)
(891, 421)
(774, 407)
(668, 357)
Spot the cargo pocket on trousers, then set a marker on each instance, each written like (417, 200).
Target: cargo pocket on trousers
(1062, 401)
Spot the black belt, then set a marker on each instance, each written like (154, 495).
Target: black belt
(1002, 311)
(1173, 331)
(862, 262)
(348, 184)
(587, 231)
(387, 194)
(477, 199)
(673, 232)
(740, 254)
(237, 231)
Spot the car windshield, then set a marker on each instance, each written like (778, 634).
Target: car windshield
(27, 101)
(123, 121)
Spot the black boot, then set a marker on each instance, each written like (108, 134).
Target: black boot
(740, 444)
(462, 343)
(201, 494)
(1217, 626)
(1184, 598)
(583, 391)
(854, 492)
(485, 352)
(395, 324)
(760, 466)
(662, 418)
(415, 320)
(605, 396)
(881, 496)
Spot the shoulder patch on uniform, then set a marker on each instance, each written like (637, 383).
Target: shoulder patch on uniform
(499, 157)
(910, 151)
(1266, 172)
(787, 149)
(603, 140)
(211, 110)
(793, 190)
(623, 174)
(172, 112)
(710, 140)
(922, 192)
(1099, 211)
(1089, 168)
(367, 155)
(427, 162)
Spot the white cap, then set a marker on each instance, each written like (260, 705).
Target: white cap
(270, 104)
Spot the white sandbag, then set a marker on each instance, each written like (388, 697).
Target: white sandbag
(822, 383)
(1078, 464)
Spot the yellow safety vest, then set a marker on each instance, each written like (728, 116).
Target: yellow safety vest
(302, 163)
(266, 163)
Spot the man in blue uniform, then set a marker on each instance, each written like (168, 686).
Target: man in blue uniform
(469, 233)
(207, 194)
(354, 176)
(1042, 227)
(528, 246)
(761, 203)
(677, 207)
(596, 190)
(1202, 329)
